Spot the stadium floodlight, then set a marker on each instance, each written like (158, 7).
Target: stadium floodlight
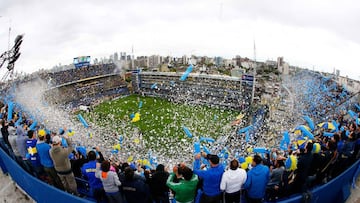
(14, 58)
(15, 52)
(18, 40)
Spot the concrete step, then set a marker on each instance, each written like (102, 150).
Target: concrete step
(11, 192)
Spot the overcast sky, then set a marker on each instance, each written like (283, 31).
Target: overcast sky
(320, 34)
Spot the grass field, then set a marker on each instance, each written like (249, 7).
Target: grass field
(160, 124)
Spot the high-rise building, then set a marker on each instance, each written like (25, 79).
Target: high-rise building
(141, 61)
(132, 57)
(123, 56)
(168, 59)
(184, 60)
(219, 61)
(154, 61)
(280, 61)
(111, 58)
(116, 56)
(238, 60)
(282, 66)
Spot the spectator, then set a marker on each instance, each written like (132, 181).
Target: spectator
(257, 179)
(135, 190)
(60, 157)
(267, 160)
(231, 182)
(110, 181)
(12, 141)
(185, 187)
(33, 154)
(276, 173)
(137, 175)
(88, 171)
(21, 141)
(330, 158)
(356, 135)
(286, 186)
(159, 190)
(21, 148)
(77, 161)
(349, 146)
(275, 179)
(43, 150)
(2, 141)
(5, 134)
(303, 168)
(211, 178)
(48, 138)
(317, 163)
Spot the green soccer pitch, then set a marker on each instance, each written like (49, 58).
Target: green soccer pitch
(161, 122)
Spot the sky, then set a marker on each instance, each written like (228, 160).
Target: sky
(313, 34)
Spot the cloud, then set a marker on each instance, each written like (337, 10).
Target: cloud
(341, 17)
(312, 33)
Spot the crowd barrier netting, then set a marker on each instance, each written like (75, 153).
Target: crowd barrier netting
(35, 188)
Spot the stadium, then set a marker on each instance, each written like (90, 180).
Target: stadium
(210, 100)
(158, 118)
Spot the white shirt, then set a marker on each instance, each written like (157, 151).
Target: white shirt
(232, 180)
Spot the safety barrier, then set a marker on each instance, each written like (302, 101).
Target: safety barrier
(35, 188)
(337, 190)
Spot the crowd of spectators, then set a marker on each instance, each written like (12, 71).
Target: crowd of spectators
(88, 91)
(319, 96)
(55, 78)
(199, 89)
(54, 159)
(65, 76)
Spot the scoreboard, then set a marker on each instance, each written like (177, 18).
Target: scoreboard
(82, 61)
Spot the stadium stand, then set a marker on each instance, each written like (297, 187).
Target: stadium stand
(210, 90)
(326, 180)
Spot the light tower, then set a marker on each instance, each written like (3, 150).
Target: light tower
(11, 56)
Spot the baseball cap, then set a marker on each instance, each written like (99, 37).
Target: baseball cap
(56, 139)
(41, 133)
(213, 158)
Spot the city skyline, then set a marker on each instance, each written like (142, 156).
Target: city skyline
(320, 35)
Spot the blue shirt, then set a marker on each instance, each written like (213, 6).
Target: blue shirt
(32, 151)
(44, 154)
(88, 170)
(257, 179)
(211, 178)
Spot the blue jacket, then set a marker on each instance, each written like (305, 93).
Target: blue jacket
(44, 154)
(211, 178)
(88, 171)
(257, 179)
